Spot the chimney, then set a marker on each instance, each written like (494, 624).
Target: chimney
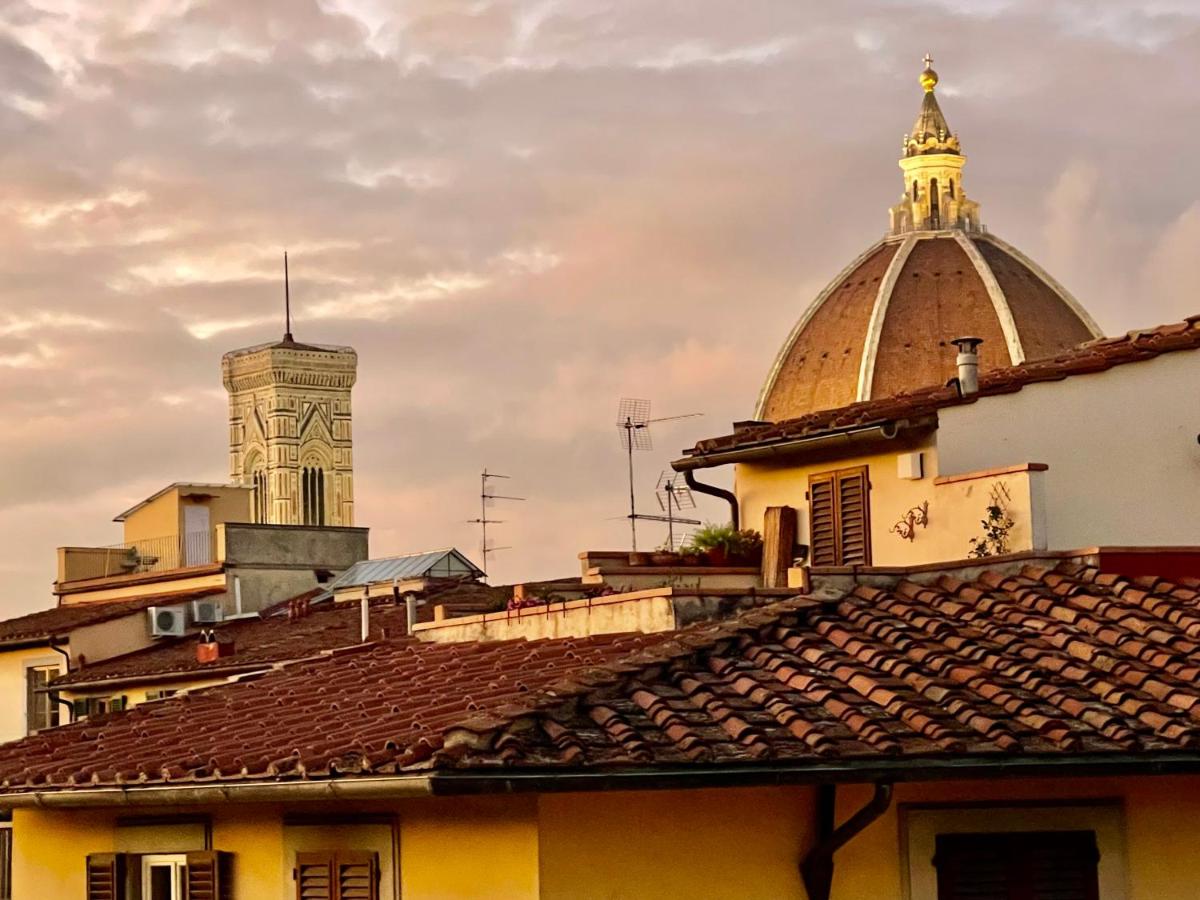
(365, 623)
(968, 364)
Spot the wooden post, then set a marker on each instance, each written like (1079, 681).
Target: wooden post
(779, 545)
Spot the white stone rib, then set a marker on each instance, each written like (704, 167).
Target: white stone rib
(1008, 325)
(866, 366)
(1063, 293)
(773, 375)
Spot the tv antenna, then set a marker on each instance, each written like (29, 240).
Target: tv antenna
(487, 500)
(633, 425)
(673, 495)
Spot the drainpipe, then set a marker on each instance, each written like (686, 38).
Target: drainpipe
(66, 654)
(728, 496)
(816, 868)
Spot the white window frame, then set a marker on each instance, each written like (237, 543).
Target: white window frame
(920, 824)
(44, 662)
(177, 862)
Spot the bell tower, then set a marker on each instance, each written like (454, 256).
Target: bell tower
(932, 162)
(290, 433)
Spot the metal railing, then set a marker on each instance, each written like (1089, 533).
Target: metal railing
(162, 554)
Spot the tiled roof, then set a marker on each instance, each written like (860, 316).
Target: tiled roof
(1065, 664)
(261, 642)
(1093, 356)
(61, 620)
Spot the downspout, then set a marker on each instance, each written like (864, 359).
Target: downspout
(729, 497)
(816, 868)
(54, 695)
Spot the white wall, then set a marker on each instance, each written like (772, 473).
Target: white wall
(1121, 446)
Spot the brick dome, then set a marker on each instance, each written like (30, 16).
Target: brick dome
(884, 325)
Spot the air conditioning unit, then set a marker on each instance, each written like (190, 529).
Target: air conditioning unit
(167, 621)
(206, 612)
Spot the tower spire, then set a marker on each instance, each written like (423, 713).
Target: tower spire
(932, 162)
(287, 301)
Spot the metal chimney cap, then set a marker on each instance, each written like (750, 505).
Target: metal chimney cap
(967, 344)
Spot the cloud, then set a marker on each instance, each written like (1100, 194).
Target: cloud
(518, 211)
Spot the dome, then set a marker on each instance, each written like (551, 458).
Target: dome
(884, 325)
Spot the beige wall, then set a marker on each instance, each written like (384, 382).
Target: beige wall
(956, 509)
(1119, 444)
(13, 664)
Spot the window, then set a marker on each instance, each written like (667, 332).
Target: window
(340, 875)
(935, 213)
(259, 499)
(1027, 865)
(6, 846)
(163, 877)
(86, 707)
(202, 875)
(41, 707)
(839, 531)
(312, 481)
(161, 694)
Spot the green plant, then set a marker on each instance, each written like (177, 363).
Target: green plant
(996, 528)
(712, 537)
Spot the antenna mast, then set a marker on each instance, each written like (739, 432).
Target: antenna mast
(287, 300)
(487, 499)
(633, 422)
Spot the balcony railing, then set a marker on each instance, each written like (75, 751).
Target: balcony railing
(162, 554)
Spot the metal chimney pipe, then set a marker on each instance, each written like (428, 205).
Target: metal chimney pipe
(365, 623)
(237, 594)
(968, 364)
(410, 607)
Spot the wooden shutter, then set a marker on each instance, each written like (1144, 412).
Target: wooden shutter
(106, 876)
(822, 521)
(854, 521)
(839, 518)
(345, 875)
(357, 876)
(1053, 865)
(209, 875)
(314, 876)
(779, 545)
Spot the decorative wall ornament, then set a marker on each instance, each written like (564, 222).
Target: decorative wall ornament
(917, 517)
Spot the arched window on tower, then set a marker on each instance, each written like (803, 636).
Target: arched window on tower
(950, 187)
(935, 213)
(259, 501)
(312, 495)
(915, 198)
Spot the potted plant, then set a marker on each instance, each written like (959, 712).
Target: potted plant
(664, 556)
(747, 548)
(713, 542)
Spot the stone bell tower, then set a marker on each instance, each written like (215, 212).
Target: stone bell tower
(290, 431)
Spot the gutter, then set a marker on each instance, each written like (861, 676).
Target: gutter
(370, 788)
(773, 449)
(729, 497)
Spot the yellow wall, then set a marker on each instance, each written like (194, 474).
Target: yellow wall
(159, 518)
(955, 509)
(732, 843)
(735, 844)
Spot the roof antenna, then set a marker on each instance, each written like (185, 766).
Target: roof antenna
(287, 301)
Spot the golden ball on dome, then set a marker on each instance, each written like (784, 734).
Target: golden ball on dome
(929, 80)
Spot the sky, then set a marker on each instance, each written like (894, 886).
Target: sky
(518, 212)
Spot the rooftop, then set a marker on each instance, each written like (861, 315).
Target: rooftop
(1094, 356)
(446, 562)
(1025, 670)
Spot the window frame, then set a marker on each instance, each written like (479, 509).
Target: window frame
(178, 865)
(920, 824)
(54, 714)
(835, 478)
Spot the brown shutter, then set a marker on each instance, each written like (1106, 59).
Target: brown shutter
(1055, 865)
(315, 877)
(106, 876)
(346, 875)
(854, 521)
(779, 545)
(357, 876)
(822, 521)
(209, 875)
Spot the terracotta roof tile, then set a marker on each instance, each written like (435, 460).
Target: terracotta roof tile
(1093, 356)
(1062, 663)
